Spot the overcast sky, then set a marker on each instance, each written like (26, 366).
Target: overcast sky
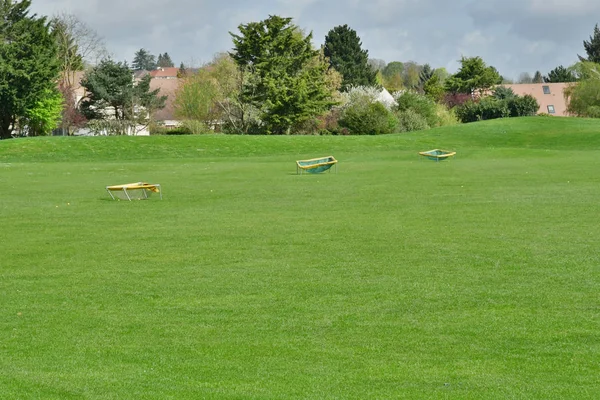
(513, 35)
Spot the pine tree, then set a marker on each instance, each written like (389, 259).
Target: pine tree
(537, 77)
(344, 50)
(143, 60)
(113, 95)
(182, 71)
(560, 74)
(164, 61)
(592, 47)
(286, 79)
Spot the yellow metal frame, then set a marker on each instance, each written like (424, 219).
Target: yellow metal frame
(438, 156)
(153, 187)
(332, 161)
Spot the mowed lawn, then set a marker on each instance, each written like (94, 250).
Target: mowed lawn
(396, 277)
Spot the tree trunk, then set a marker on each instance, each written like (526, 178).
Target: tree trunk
(5, 127)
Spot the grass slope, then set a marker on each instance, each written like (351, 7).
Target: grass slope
(395, 278)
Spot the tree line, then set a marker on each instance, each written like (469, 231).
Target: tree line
(274, 81)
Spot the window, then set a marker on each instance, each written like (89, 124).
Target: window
(546, 89)
(551, 109)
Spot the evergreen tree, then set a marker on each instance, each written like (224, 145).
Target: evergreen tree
(592, 47)
(560, 74)
(143, 60)
(29, 67)
(182, 71)
(164, 61)
(425, 75)
(537, 77)
(285, 78)
(113, 95)
(344, 50)
(473, 76)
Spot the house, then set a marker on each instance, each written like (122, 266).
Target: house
(550, 96)
(164, 73)
(167, 87)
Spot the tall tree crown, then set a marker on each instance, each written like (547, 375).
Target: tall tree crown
(344, 50)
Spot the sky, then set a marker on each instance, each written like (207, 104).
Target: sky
(515, 36)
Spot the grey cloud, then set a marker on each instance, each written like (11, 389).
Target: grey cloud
(513, 35)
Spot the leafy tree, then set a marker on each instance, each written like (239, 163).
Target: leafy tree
(29, 66)
(425, 75)
(143, 60)
(582, 98)
(592, 47)
(164, 61)
(392, 76)
(560, 74)
(474, 76)
(411, 75)
(113, 95)
(537, 77)
(44, 116)
(283, 76)
(344, 50)
(434, 88)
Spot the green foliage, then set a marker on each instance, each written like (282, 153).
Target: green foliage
(196, 97)
(474, 76)
(143, 60)
(366, 117)
(164, 61)
(392, 76)
(344, 50)
(410, 120)
(592, 47)
(434, 89)
(420, 104)
(502, 104)
(44, 116)
(29, 66)
(583, 98)
(112, 94)
(503, 93)
(484, 109)
(286, 79)
(560, 74)
(523, 106)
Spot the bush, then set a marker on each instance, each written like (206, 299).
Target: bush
(484, 109)
(365, 118)
(420, 104)
(523, 106)
(410, 120)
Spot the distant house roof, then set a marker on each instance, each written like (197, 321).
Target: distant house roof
(165, 73)
(167, 87)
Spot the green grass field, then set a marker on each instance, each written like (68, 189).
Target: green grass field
(397, 277)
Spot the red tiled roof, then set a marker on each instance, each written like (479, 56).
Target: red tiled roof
(170, 72)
